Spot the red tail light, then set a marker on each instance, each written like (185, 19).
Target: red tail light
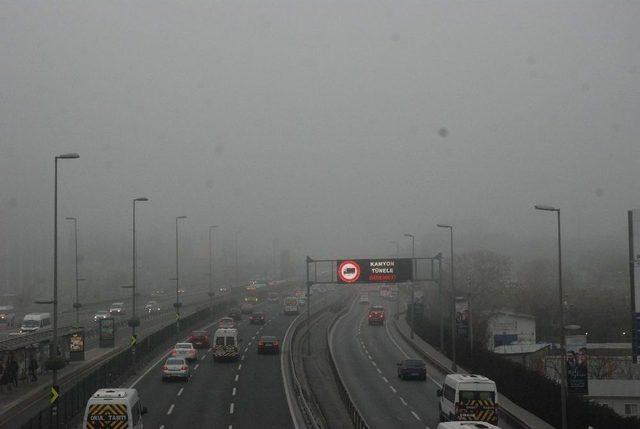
(261, 343)
(165, 368)
(275, 343)
(184, 367)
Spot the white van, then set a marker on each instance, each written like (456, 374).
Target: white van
(225, 344)
(33, 322)
(468, 397)
(114, 408)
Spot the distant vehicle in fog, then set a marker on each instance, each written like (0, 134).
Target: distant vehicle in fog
(33, 322)
(152, 307)
(101, 314)
(7, 315)
(117, 309)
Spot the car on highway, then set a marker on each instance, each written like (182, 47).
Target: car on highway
(246, 308)
(225, 344)
(185, 350)
(412, 368)
(117, 309)
(235, 314)
(101, 314)
(113, 407)
(176, 368)
(258, 318)
(34, 322)
(268, 344)
(227, 322)
(199, 339)
(468, 397)
(376, 315)
(224, 289)
(152, 307)
(7, 315)
(466, 425)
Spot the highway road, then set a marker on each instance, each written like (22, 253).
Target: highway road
(242, 394)
(366, 358)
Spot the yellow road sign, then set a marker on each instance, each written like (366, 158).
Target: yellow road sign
(55, 394)
(177, 316)
(134, 340)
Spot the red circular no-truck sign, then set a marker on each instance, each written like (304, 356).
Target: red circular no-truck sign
(349, 271)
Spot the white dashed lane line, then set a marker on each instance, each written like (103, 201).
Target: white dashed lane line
(403, 401)
(237, 376)
(233, 393)
(171, 409)
(231, 407)
(385, 379)
(246, 349)
(415, 415)
(202, 358)
(180, 391)
(239, 367)
(378, 369)
(162, 427)
(393, 389)
(196, 367)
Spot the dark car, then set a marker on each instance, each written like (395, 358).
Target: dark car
(412, 368)
(268, 344)
(235, 314)
(199, 339)
(257, 319)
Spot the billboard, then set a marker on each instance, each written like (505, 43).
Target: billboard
(462, 317)
(76, 346)
(390, 270)
(577, 365)
(107, 332)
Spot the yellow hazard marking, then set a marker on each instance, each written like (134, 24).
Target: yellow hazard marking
(134, 340)
(54, 395)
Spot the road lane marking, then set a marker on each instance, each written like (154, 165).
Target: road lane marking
(237, 376)
(373, 363)
(403, 401)
(171, 409)
(231, 408)
(415, 415)
(239, 367)
(233, 393)
(393, 389)
(385, 379)
(202, 358)
(162, 427)
(180, 391)
(378, 369)
(246, 349)
(196, 367)
(249, 343)
(242, 358)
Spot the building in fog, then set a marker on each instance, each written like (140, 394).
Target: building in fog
(622, 396)
(506, 328)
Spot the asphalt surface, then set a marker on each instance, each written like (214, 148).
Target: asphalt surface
(244, 394)
(366, 357)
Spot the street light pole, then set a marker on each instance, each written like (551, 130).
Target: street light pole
(54, 340)
(211, 293)
(236, 242)
(397, 315)
(563, 360)
(413, 266)
(134, 322)
(177, 304)
(76, 305)
(454, 366)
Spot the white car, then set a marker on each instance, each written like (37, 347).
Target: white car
(117, 309)
(152, 307)
(7, 315)
(185, 350)
(101, 314)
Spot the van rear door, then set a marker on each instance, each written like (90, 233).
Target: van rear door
(107, 416)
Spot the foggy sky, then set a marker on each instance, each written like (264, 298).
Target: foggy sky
(317, 124)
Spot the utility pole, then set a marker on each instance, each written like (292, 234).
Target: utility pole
(178, 304)
(454, 366)
(211, 293)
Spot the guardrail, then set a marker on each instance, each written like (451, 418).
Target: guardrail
(356, 416)
(305, 399)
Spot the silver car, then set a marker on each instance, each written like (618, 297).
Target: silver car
(176, 368)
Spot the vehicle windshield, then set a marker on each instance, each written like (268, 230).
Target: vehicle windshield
(30, 323)
(174, 361)
(184, 346)
(199, 334)
(469, 395)
(231, 341)
(220, 341)
(414, 363)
